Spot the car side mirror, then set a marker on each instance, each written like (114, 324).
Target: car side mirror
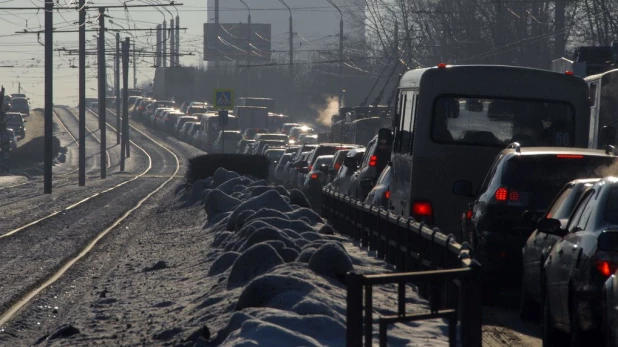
(551, 226)
(463, 188)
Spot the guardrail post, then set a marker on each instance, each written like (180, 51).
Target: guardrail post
(354, 310)
(471, 308)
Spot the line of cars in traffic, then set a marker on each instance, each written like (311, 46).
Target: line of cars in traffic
(17, 108)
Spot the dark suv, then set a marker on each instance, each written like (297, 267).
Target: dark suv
(519, 187)
(376, 158)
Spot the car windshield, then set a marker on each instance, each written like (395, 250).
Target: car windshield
(272, 137)
(231, 136)
(536, 179)
(323, 160)
(565, 203)
(498, 122)
(19, 102)
(14, 118)
(274, 155)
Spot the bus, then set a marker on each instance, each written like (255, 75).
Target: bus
(603, 109)
(452, 121)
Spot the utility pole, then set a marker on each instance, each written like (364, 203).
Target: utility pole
(117, 86)
(158, 55)
(340, 91)
(102, 91)
(134, 68)
(291, 44)
(172, 42)
(5, 141)
(164, 43)
(49, 98)
(217, 38)
(125, 118)
(177, 58)
(125, 96)
(82, 93)
(249, 49)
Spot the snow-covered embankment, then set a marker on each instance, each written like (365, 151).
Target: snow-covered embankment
(276, 272)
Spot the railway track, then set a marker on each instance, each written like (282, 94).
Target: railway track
(35, 255)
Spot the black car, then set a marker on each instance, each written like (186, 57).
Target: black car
(539, 244)
(16, 122)
(376, 158)
(519, 187)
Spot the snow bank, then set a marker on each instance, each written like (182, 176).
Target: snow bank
(277, 271)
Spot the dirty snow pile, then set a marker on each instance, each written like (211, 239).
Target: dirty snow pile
(276, 271)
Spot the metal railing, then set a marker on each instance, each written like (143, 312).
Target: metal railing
(440, 267)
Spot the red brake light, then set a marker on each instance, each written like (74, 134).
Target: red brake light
(501, 194)
(569, 156)
(422, 209)
(441, 66)
(387, 194)
(373, 160)
(605, 268)
(314, 176)
(513, 195)
(469, 214)
(337, 166)
(568, 72)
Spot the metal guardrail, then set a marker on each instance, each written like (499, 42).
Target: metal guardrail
(442, 269)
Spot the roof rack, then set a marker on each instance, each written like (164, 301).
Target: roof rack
(516, 146)
(610, 150)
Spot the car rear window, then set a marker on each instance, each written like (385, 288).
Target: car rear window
(14, 118)
(539, 178)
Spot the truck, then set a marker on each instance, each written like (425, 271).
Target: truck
(260, 102)
(251, 117)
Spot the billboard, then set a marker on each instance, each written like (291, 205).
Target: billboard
(233, 42)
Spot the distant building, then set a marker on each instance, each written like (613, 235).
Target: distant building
(315, 24)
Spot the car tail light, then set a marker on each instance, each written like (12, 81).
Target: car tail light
(423, 211)
(569, 156)
(337, 166)
(469, 215)
(501, 194)
(387, 194)
(504, 194)
(373, 160)
(314, 176)
(606, 268)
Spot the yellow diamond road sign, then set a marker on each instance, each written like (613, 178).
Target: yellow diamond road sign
(223, 99)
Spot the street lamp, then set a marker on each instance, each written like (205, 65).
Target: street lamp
(291, 40)
(248, 48)
(340, 51)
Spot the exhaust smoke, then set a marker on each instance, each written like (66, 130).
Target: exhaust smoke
(326, 111)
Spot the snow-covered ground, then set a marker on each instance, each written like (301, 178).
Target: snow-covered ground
(276, 271)
(6, 181)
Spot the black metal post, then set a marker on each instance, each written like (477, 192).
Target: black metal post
(49, 99)
(471, 308)
(354, 310)
(102, 90)
(125, 97)
(82, 93)
(117, 87)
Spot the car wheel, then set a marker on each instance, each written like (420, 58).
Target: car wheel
(527, 306)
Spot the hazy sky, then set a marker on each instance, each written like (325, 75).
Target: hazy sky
(25, 52)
